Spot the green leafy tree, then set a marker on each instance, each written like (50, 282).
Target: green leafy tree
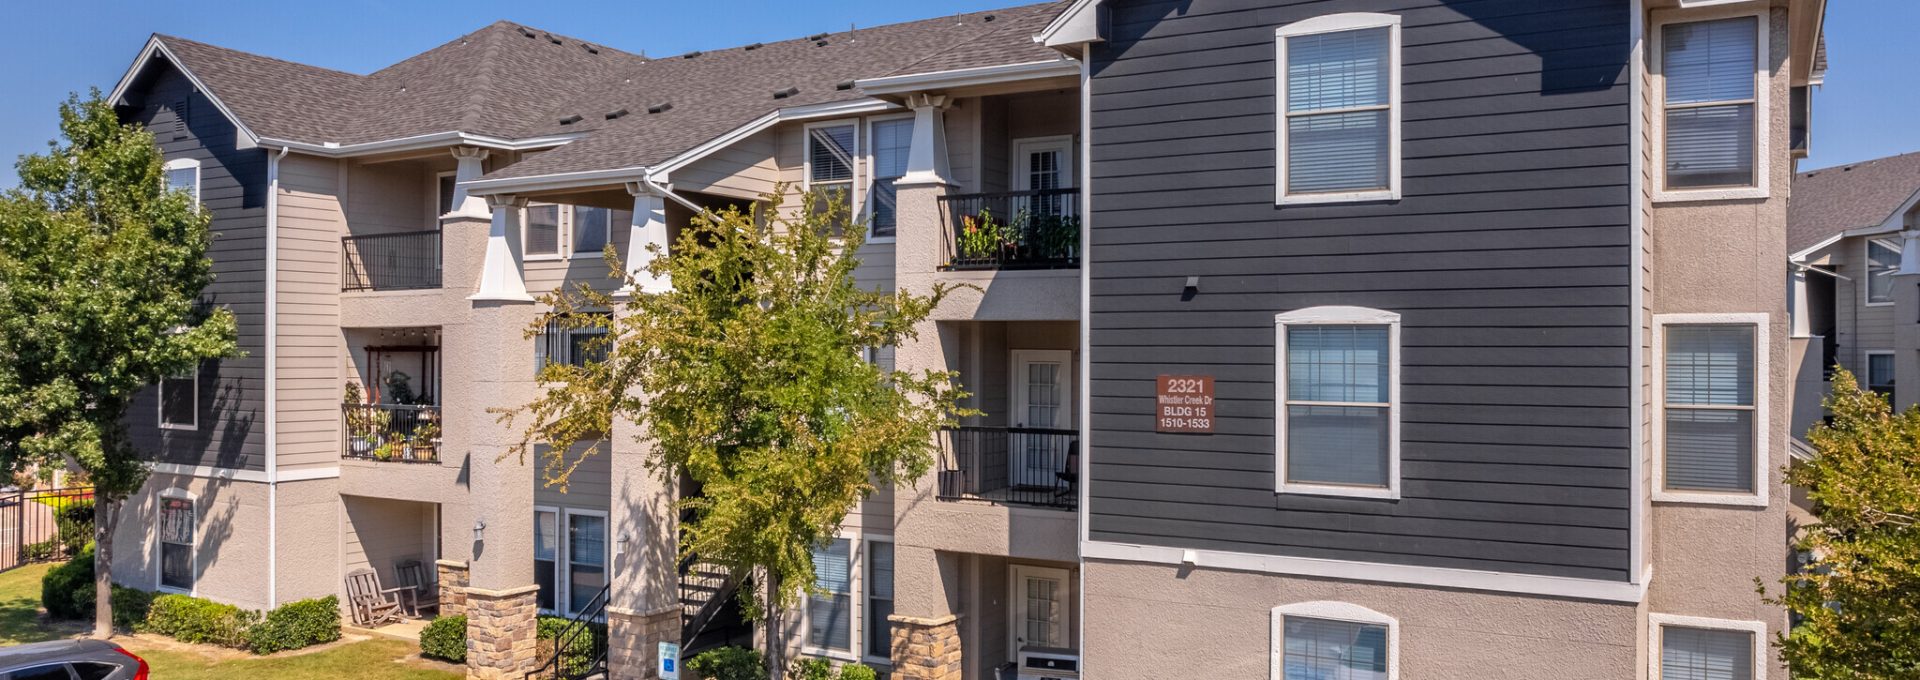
(101, 268)
(750, 378)
(1856, 604)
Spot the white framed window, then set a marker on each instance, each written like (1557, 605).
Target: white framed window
(175, 541)
(889, 139)
(184, 174)
(1338, 424)
(546, 556)
(180, 401)
(1695, 648)
(1339, 109)
(829, 612)
(590, 230)
(541, 236)
(1712, 73)
(1880, 372)
(443, 192)
(1333, 640)
(1712, 396)
(1883, 259)
(832, 165)
(556, 232)
(879, 600)
(585, 571)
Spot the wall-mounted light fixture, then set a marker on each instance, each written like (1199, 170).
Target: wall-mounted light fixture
(479, 530)
(620, 545)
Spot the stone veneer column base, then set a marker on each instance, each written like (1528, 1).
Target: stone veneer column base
(926, 649)
(501, 640)
(452, 577)
(633, 640)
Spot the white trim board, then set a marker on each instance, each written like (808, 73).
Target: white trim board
(964, 77)
(1762, 113)
(1440, 577)
(1331, 611)
(1639, 197)
(245, 140)
(1338, 23)
(1762, 468)
(1655, 622)
(1336, 316)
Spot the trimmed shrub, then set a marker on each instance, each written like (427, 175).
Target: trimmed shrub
(130, 607)
(445, 638)
(729, 663)
(193, 620)
(858, 671)
(811, 669)
(67, 590)
(296, 624)
(577, 658)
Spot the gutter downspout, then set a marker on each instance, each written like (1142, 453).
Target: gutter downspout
(273, 366)
(647, 179)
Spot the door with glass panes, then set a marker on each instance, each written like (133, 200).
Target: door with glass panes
(1042, 385)
(1039, 607)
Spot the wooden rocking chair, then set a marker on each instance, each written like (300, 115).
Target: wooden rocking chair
(413, 577)
(372, 605)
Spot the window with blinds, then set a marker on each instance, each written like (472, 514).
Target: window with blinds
(591, 229)
(1710, 70)
(1710, 408)
(1704, 654)
(176, 543)
(830, 165)
(1338, 125)
(543, 231)
(879, 599)
(1883, 259)
(830, 611)
(1313, 648)
(1337, 405)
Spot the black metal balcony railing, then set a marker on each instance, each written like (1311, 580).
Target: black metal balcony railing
(392, 432)
(1026, 466)
(404, 261)
(1014, 230)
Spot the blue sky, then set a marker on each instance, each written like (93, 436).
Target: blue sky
(1867, 109)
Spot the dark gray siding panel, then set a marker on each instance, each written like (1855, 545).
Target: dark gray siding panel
(233, 187)
(1507, 258)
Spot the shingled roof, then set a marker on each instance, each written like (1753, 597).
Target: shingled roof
(516, 82)
(1834, 200)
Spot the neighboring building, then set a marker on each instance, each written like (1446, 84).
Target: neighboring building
(1479, 268)
(1489, 295)
(1855, 304)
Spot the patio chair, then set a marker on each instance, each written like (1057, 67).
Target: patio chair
(372, 605)
(413, 576)
(1069, 475)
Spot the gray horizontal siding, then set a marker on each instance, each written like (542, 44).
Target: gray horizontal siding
(1507, 258)
(233, 188)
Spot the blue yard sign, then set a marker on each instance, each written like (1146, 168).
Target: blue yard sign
(669, 661)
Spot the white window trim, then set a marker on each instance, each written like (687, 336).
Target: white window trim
(1336, 23)
(1019, 148)
(1016, 406)
(563, 581)
(1331, 611)
(1866, 265)
(561, 232)
(856, 609)
(1866, 367)
(573, 245)
(1013, 601)
(867, 210)
(1656, 622)
(160, 402)
(1329, 316)
(1762, 114)
(182, 164)
(435, 208)
(863, 558)
(193, 549)
(559, 554)
(854, 192)
(1762, 394)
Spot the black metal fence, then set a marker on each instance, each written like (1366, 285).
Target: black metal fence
(579, 649)
(1027, 466)
(392, 432)
(401, 261)
(44, 525)
(1012, 230)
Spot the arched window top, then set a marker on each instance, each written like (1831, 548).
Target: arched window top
(1337, 314)
(1370, 639)
(1346, 21)
(1335, 611)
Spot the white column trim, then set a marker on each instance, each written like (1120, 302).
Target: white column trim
(500, 276)
(647, 228)
(470, 169)
(927, 157)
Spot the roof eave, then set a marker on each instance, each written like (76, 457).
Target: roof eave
(156, 47)
(965, 77)
(426, 141)
(1082, 22)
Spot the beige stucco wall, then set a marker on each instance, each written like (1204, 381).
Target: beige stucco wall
(378, 534)
(1145, 620)
(230, 537)
(307, 525)
(1728, 257)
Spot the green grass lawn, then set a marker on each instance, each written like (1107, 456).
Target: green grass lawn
(379, 659)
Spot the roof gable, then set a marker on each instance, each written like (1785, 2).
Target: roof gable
(1832, 201)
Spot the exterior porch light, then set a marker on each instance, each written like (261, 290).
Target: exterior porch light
(620, 544)
(479, 530)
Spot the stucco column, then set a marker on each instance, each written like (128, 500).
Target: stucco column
(500, 277)
(643, 609)
(926, 619)
(498, 371)
(470, 168)
(648, 229)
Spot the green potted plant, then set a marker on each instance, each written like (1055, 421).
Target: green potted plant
(424, 440)
(359, 421)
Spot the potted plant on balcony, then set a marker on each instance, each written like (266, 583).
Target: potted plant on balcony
(980, 237)
(359, 422)
(424, 440)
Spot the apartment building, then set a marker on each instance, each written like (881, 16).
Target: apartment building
(1484, 302)
(1298, 330)
(1849, 229)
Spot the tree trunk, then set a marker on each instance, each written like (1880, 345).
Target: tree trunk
(103, 520)
(776, 639)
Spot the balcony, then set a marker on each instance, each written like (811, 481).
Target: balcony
(407, 260)
(1011, 230)
(1010, 465)
(392, 432)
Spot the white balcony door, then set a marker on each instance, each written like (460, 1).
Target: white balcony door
(1042, 163)
(1042, 388)
(1039, 602)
